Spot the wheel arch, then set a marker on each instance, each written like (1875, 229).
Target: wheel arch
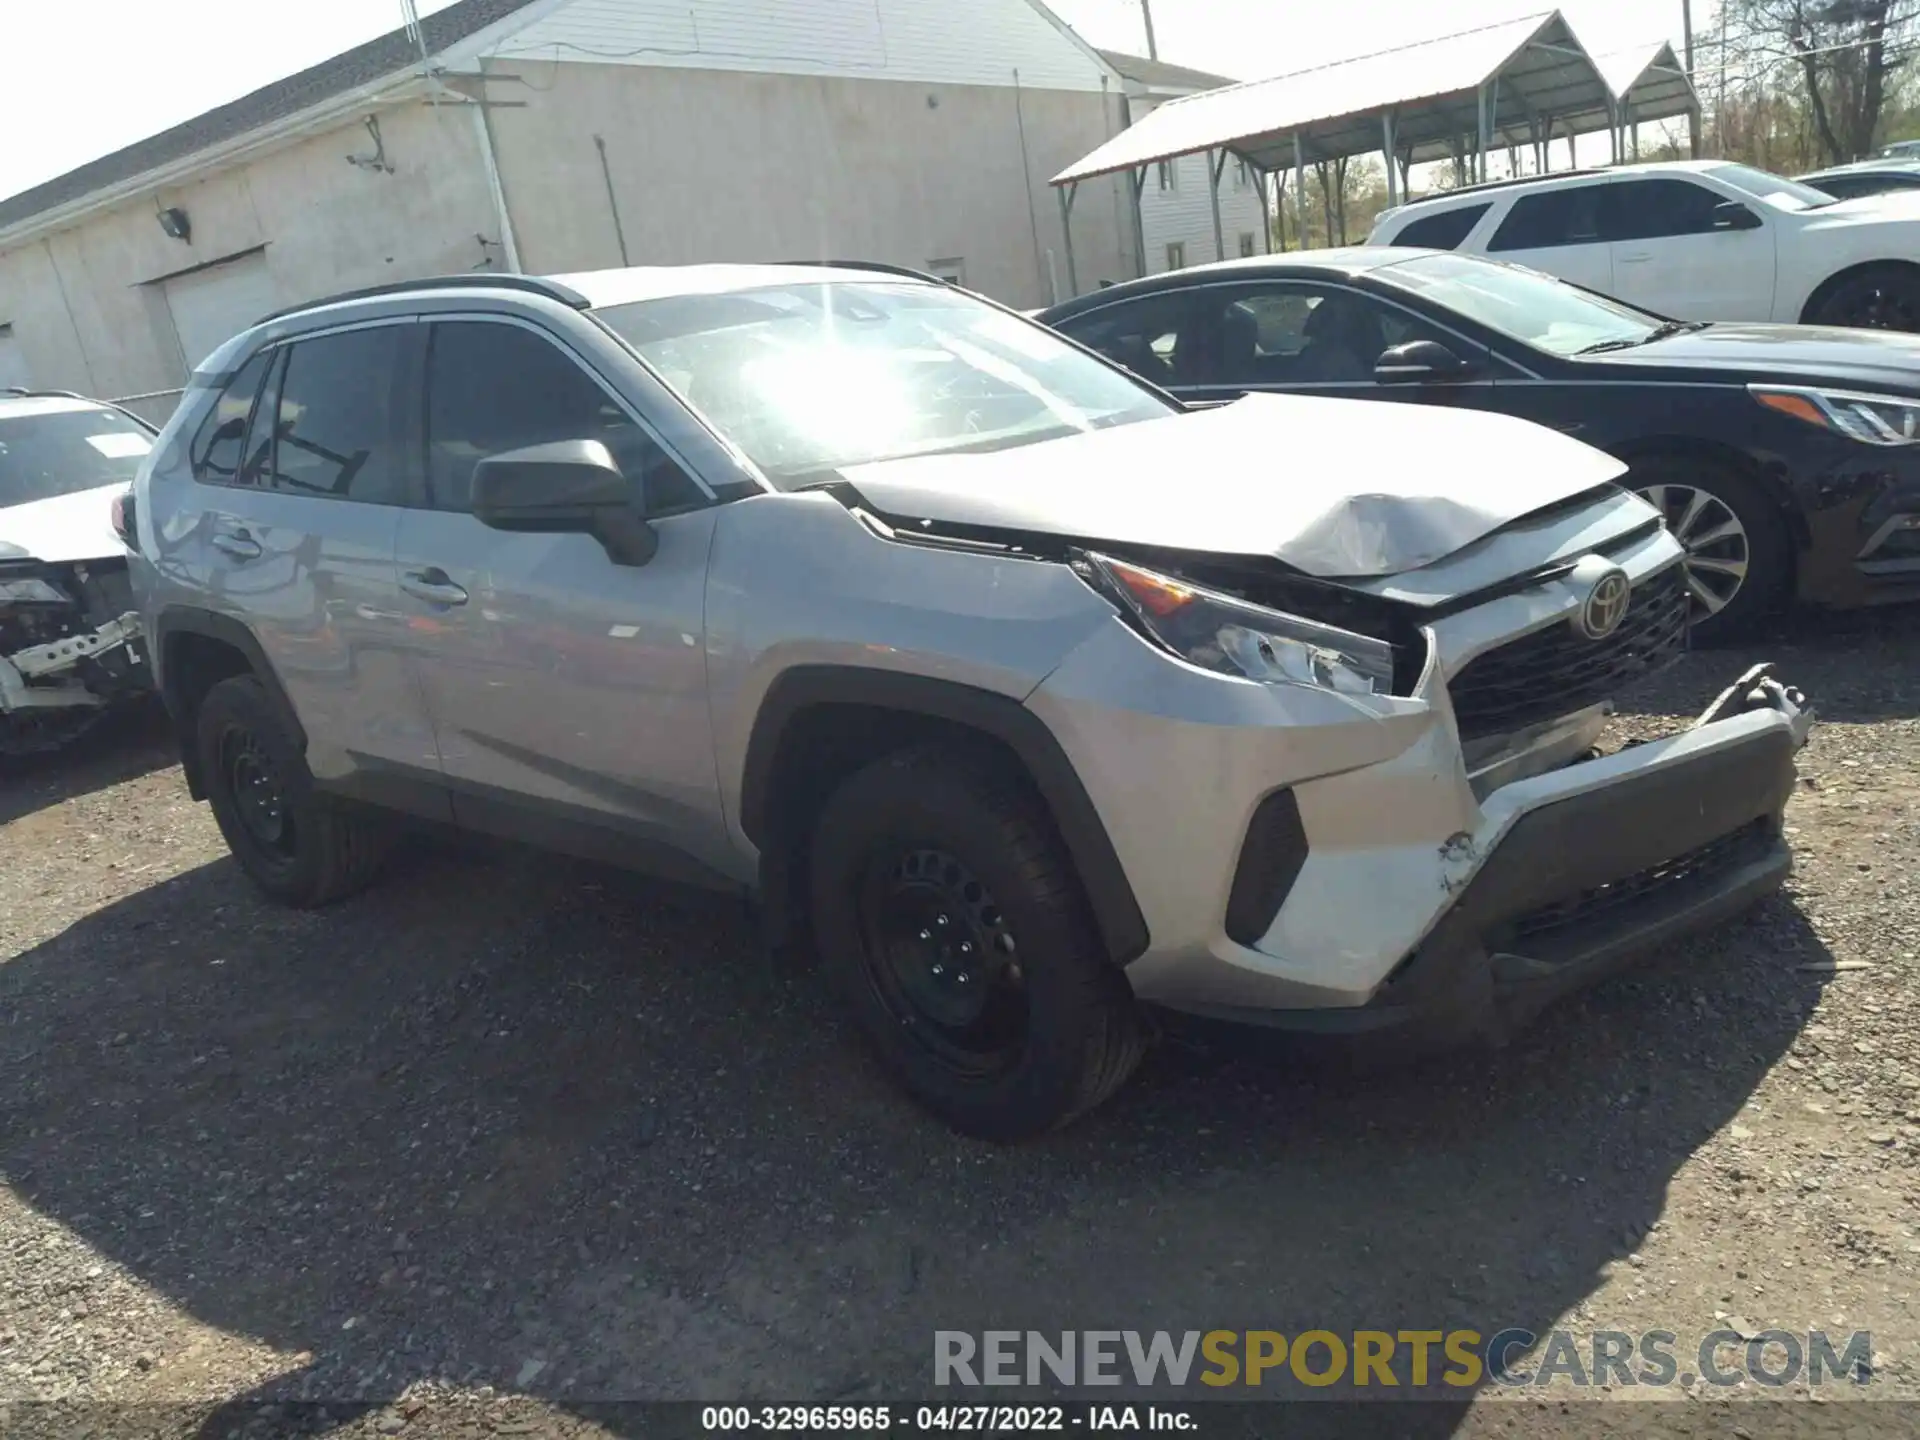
(195, 650)
(819, 723)
(1840, 277)
(1771, 485)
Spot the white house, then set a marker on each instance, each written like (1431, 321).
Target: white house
(1176, 211)
(557, 135)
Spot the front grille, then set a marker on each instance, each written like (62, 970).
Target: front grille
(1556, 671)
(1596, 906)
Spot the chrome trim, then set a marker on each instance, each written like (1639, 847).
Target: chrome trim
(1890, 527)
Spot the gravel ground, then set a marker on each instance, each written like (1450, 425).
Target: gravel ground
(509, 1136)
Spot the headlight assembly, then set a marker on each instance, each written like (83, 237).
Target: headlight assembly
(1870, 419)
(31, 591)
(1220, 633)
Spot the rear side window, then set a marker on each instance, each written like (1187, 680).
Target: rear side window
(1444, 231)
(1550, 218)
(221, 439)
(334, 431)
(494, 387)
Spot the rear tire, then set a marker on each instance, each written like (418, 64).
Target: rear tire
(1739, 551)
(1878, 297)
(953, 926)
(295, 845)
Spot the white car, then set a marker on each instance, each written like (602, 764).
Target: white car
(69, 639)
(1693, 240)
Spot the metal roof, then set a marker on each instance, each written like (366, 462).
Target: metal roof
(1536, 63)
(1650, 79)
(388, 54)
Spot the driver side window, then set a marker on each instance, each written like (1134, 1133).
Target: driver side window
(494, 387)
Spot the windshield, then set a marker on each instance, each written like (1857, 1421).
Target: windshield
(1535, 309)
(1776, 190)
(809, 379)
(57, 452)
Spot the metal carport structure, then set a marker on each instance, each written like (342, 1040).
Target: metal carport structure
(1648, 83)
(1457, 97)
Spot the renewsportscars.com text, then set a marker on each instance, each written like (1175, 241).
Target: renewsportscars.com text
(1375, 1361)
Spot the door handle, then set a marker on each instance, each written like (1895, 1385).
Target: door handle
(237, 543)
(434, 586)
(1637, 257)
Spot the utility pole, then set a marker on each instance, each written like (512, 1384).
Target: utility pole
(1686, 40)
(1146, 14)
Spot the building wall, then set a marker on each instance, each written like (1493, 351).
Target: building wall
(736, 166)
(88, 305)
(1183, 214)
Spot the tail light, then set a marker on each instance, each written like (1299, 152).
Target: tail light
(123, 520)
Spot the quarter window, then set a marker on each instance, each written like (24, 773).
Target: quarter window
(221, 439)
(1551, 218)
(494, 387)
(1444, 231)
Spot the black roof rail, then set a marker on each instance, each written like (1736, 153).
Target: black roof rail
(878, 267)
(1510, 180)
(532, 284)
(27, 392)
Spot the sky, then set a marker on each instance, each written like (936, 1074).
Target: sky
(109, 72)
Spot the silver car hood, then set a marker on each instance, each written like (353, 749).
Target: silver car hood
(1334, 488)
(62, 528)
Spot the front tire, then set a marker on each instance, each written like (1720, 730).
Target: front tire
(298, 848)
(1878, 297)
(1739, 552)
(954, 928)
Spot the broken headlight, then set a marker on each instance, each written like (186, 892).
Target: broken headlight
(1220, 633)
(30, 590)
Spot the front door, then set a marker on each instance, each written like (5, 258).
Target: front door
(568, 693)
(1683, 249)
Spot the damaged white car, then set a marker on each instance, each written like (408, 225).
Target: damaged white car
(70, 642)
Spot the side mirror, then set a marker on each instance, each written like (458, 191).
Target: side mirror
(1732, 215)
(1418, 361)
(566, 487)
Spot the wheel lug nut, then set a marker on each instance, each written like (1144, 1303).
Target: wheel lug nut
(940, 920)
(966, 947)
(926, 934)
(939, 969)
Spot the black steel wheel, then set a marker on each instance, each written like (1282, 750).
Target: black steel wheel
(295, 845)
(950, 919)
(942, 958)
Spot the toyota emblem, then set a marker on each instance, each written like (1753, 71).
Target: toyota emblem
(1606, 605)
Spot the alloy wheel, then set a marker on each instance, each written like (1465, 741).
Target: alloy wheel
(1881, 307)
(1717, 545)
(941, 956)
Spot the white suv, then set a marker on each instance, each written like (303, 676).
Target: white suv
(1694, 240)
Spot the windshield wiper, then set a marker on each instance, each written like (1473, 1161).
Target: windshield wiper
(1661, 331)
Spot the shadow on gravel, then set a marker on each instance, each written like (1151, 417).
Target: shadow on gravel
(525, 1124)
(131, 742)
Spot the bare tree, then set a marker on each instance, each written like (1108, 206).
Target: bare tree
(1847, 55)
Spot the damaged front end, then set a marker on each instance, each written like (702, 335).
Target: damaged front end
(70, 648)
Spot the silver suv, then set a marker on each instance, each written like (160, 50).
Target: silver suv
(1019, 694)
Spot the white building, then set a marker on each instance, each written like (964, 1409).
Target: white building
(1176, 210)
(557, 135)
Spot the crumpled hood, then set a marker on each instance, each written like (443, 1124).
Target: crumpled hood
(1334, 488)
(63, 528)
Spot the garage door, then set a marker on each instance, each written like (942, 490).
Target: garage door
(13, 360)
(212, 305)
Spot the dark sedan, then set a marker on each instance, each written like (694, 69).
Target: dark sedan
(1866, 177)
(1785, 457)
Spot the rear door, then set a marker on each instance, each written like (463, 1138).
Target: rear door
(568, 693)
(1558, 231)
(294, 513)
(1678, 252)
